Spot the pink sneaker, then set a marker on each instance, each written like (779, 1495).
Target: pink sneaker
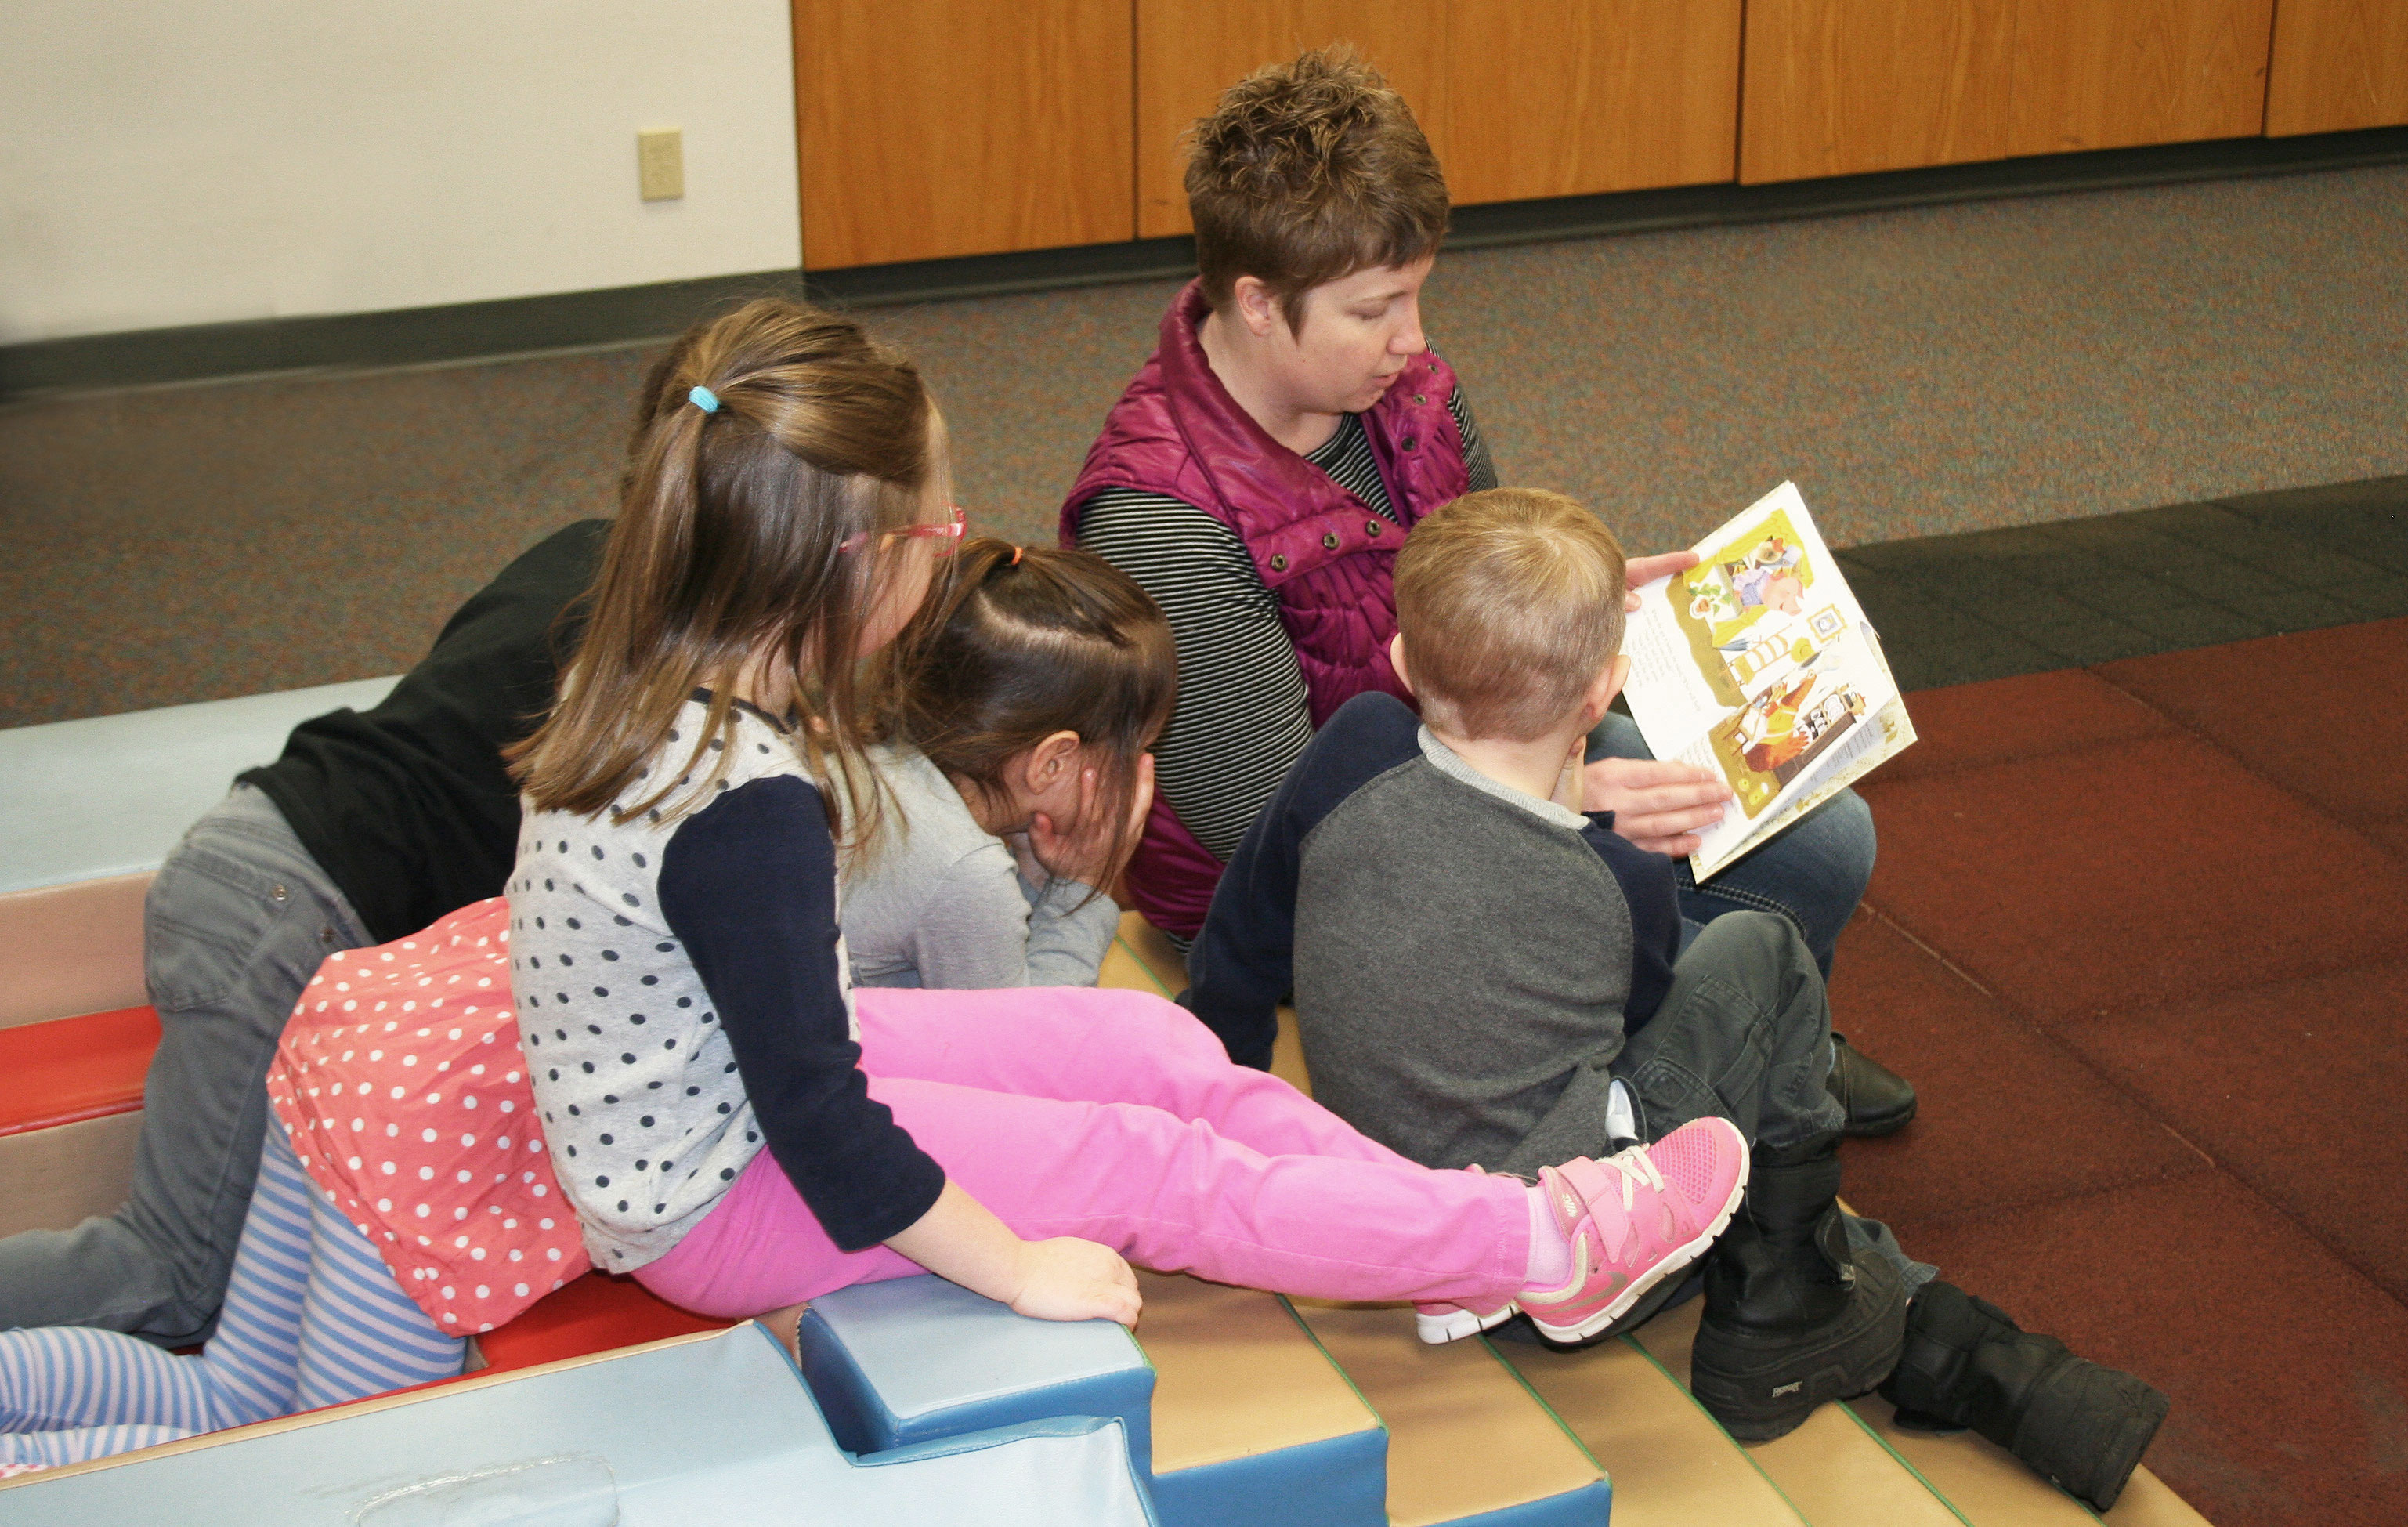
(1635, 1217)
(1443, 1322)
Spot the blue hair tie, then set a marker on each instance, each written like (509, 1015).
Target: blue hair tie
(703, 399)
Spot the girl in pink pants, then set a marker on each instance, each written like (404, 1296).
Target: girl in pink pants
(1115, 1116)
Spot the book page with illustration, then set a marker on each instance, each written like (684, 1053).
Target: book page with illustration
(1759, 665)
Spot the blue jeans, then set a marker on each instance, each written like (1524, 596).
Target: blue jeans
(1813, 873)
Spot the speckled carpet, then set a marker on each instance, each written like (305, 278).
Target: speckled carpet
(1943, 369)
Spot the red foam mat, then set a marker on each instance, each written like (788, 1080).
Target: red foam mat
(66, 1070)
(596, 1313)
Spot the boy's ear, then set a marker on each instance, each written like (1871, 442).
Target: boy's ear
(1397, 661)
(1607, 684)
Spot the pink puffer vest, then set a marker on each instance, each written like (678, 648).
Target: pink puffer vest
(1325, 553)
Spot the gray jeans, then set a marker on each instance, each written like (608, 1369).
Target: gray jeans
(1745, 1034)
(234, 927)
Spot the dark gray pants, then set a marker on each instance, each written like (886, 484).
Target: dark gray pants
(1745, 1034)
(234, 927)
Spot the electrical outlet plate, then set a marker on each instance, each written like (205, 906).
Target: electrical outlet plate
(660, 163)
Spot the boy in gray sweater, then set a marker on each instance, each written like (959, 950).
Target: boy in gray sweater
(1485, 975)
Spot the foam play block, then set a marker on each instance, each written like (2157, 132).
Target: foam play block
(596, 1313)
(1467, 1442)
(699, 1431)
(88, 810)
(911, 1359)
(72, 948)
(64, 1070)
(59, 1177)
(70, 1117)
(1252, 1425)
(1983, 1484)
(1832, 1468)
(111, 795)
(1670, 1465)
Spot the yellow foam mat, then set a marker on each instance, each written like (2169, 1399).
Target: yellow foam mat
(1465, 1434)
(2148, 1501)
(1989, 1489)
(59, 1177)
(1833, 1469)
(1235, 1376)
(1672, 1465)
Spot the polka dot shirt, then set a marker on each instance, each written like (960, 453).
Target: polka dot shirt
(633, 1071)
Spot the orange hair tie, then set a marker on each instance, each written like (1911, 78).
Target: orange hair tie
(1015, 555)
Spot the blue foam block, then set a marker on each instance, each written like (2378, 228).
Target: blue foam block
(708, 1431)
(915, 1359)
(111, 795)
(1339, 1481)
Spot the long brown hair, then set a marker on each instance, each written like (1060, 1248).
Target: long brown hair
(1022, 643)
(729, 549)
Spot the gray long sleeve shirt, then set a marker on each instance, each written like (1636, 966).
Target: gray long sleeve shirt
(942, 901)
(1467, 960)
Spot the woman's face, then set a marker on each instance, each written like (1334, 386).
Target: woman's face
(1358, 332)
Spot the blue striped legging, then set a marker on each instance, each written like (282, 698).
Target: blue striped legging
(312, 1316)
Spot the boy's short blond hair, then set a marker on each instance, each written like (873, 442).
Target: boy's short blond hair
(1509, 604)
(1307, 172)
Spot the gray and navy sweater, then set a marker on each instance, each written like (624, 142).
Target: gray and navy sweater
(1467, 960)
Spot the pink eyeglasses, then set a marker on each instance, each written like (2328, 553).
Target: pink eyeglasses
(949, 535)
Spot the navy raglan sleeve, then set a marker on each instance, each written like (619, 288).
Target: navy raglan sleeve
(748, 885)
(1242, 966)
(1652, 896)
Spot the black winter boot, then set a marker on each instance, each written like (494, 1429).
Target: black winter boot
(1792, 1317)
(2078, 1425)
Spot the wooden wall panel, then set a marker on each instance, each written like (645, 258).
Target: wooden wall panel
(1188, 51)
(1571, 97)
(2338, 64)
(1841, 87)
(2108, 74)
(932, 128)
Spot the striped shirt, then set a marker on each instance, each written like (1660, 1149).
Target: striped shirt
(1243, 716)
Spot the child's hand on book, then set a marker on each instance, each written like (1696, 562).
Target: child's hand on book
(1641, 570)
(1657, 804)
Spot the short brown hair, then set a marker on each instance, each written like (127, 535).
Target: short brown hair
(1510, 602)
(1310, 171)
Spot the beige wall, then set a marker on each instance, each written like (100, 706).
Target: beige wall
(164, 164)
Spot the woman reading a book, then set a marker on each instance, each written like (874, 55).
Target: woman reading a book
(1259, 474)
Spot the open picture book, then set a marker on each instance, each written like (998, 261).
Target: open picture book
(1759, 665)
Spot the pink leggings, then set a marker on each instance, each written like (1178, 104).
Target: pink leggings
(1115, 1116)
